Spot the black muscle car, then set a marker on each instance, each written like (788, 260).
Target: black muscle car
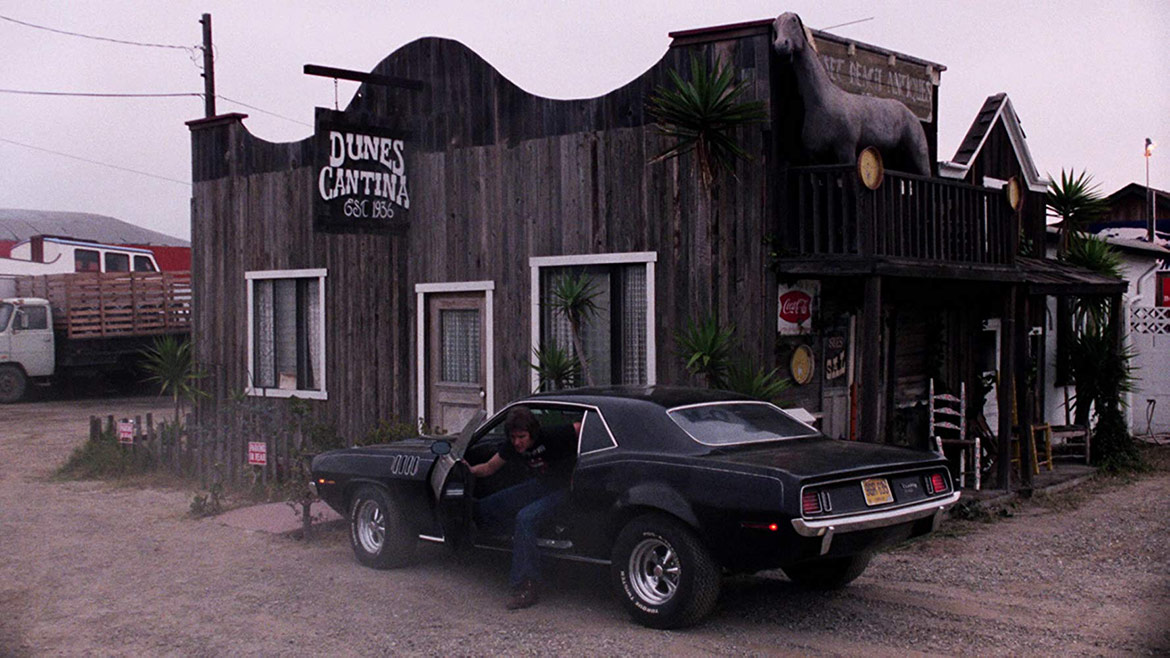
(672, 487)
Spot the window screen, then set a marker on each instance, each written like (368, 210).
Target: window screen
(613, 336)
(287, 336)
(461, 340)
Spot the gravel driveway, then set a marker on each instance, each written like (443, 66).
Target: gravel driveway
(95, 568)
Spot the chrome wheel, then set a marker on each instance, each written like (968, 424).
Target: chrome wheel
(370, 526)
(654, 571)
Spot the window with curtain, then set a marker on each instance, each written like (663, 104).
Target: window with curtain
(614, 337)
(287, 340)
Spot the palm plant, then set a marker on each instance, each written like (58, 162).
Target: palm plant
(168, 363)
(756, 382)
(1076, 200)
(574, 297)
(555, 367)
(1100, 366)
(702, 114)
(707, 350)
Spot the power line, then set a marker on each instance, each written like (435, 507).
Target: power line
(94, 94)
(96, 162)
(95, 38)
(253, 107)
(29, 92)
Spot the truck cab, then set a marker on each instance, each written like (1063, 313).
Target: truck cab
(27, 348)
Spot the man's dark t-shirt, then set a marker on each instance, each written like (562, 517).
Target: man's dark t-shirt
(551, 456)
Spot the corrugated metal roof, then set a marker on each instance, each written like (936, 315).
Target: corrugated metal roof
(16, 224)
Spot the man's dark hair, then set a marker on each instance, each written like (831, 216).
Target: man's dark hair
(521, 418)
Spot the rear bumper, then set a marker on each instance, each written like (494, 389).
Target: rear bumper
(826, 528)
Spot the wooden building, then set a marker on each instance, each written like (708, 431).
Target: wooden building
(398, 263)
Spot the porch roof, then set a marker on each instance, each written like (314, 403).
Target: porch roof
(1043, 276)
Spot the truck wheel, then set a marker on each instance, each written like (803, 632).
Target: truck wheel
(378, 530)
(828, 574)
(662, 573)
(12, 384)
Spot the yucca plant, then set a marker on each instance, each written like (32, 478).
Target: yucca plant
(1076, 200)
(707, 348)
(556, 368)
(574, 297)
(168, 363)
(702, 115)
(1094, 254)
(754, 381)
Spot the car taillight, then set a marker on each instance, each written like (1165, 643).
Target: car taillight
(938, 484)
(810, 503)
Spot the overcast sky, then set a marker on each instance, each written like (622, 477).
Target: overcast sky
(1090, 80)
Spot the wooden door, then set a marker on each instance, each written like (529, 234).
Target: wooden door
(455, 359)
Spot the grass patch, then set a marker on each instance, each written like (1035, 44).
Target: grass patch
(103, 458)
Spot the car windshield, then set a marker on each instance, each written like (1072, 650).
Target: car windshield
(733, 423)
(5, 315)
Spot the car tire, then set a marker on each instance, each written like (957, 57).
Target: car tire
(662, 573)
(379, 533)
(12, 384)
(828, 574)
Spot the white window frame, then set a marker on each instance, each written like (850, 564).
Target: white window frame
(421, 290)
(267, 275)
(647, 258)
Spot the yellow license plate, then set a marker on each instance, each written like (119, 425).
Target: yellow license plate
(877, 491)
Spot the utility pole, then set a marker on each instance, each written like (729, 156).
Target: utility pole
(208, 69)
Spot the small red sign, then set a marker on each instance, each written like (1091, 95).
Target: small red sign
(795, 306)
(125, 431)
(257, 453)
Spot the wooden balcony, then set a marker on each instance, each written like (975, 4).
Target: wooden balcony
(832, 218)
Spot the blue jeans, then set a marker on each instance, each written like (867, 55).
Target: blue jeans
(519, 510)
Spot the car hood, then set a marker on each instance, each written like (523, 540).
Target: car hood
(820, 456)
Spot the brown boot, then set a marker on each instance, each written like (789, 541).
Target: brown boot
(523, 596)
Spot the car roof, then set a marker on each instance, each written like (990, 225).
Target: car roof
(666, 397)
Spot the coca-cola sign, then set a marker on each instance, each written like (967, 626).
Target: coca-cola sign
(795, 306)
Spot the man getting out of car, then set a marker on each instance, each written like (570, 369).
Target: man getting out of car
(548, 456)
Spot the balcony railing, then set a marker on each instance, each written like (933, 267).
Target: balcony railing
(830, 213)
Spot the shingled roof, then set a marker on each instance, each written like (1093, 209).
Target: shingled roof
(996, 108)
(17, 225)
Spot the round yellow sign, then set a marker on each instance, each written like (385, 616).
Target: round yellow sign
(802, 365)
(870, 168)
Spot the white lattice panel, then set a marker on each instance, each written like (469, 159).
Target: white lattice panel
(1150, 320)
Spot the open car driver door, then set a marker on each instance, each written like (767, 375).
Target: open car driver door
(452, 485)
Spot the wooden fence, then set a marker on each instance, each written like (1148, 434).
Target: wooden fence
(218, 450)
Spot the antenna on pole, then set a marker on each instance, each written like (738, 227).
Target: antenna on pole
(208, 68)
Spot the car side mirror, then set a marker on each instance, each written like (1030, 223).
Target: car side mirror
(441, 447)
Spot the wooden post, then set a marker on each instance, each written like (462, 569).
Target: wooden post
(1005, 388)
(1023, 397)
(95, 428)
(871, 362)
(152, 439)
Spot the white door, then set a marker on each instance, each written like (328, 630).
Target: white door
(32, 340)
(456, 371)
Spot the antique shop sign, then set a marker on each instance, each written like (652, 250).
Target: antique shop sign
(860, 70)
(361, 176)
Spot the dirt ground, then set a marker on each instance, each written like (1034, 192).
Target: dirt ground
(94, 568)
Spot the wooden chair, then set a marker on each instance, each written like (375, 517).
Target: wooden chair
(949, 414)
(1041, 432)
(1076, 437)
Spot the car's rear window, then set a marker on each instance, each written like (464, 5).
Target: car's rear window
(731, 423)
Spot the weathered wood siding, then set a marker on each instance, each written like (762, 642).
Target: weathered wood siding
(497, 175)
